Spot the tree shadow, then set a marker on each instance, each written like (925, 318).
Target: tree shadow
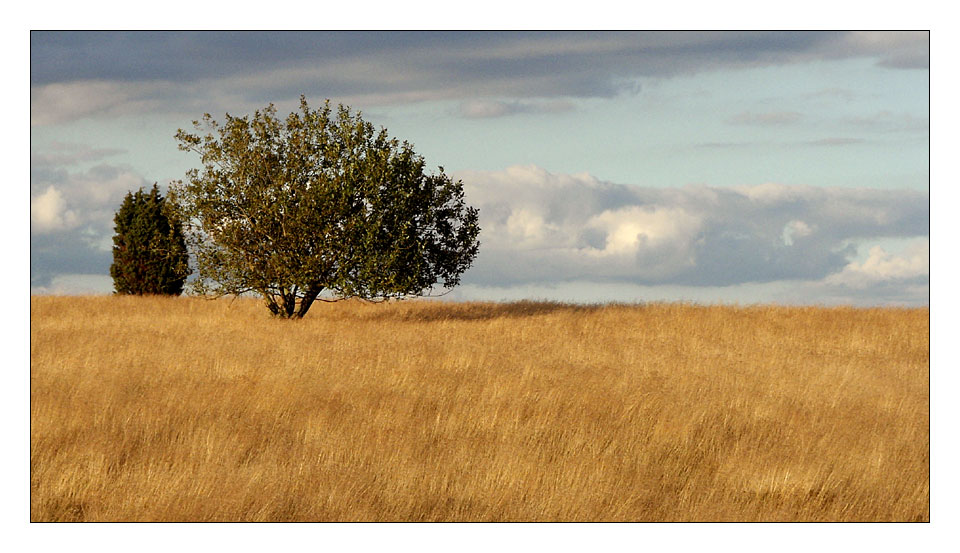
(475, 311)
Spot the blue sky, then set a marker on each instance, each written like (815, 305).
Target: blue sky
(787, 167)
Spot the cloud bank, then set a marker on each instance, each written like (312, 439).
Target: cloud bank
(85, 74)
(542, 228)
(578, 234)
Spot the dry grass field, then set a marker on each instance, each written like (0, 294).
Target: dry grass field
(182, 409)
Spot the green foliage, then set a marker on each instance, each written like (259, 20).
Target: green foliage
(149, 250)
(319, 202)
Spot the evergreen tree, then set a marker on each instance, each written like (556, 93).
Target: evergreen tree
(149, 251)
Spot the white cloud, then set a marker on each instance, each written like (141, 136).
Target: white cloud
(884, 267)
(527, 227)
(631, 229)
(48, 212)
(795, 229)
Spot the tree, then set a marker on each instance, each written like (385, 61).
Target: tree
(149, 250)
(318, 206)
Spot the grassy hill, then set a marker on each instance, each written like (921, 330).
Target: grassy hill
(181, 409)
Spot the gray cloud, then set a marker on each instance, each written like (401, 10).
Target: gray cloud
(835, 141)
(724, 145)
(886, 278)
(88, 195)
(55, 254)
(59, 154)
(540, 228)
(765, 119)
(181, 56)
(71, 216)
(87, 73)
(886, 121)
(825, 142)
(898, 49)
(482, 109)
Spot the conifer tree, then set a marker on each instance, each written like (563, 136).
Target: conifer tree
(149, 251)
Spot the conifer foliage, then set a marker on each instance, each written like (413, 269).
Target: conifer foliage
(149, 251)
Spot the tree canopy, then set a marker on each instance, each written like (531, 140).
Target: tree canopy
(149, 251)
(318, 205)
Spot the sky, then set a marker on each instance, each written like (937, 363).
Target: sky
(733, 167)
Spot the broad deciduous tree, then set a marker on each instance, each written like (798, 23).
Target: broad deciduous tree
(319, 205)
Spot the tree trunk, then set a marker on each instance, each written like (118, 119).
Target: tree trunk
(286, 306)
(272, 304)
(307, 300)
(289, 304)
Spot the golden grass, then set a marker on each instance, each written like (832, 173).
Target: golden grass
(181, 409)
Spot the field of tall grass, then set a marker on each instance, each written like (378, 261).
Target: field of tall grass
(182, 409)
